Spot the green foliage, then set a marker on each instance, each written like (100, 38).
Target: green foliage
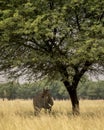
(8, 90)
(91, 90)
(24, 91)
(87, 89)
(42, 36)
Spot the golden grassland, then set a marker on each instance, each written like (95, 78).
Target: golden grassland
(19, 115)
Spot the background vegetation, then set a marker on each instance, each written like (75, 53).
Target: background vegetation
(87, 89)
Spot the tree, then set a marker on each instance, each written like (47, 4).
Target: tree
(3, 92)
(60, 39)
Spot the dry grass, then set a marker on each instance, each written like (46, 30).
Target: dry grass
(18, 115)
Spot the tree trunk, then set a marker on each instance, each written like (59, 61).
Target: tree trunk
(73, 96)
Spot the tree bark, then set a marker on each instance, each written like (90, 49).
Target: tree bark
(73, 96)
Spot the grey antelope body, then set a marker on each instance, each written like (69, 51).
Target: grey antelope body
(42, 100)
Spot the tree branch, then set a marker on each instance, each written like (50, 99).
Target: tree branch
(78, 74)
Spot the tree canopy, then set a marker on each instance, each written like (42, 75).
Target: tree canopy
(52, 38)
(42, 36)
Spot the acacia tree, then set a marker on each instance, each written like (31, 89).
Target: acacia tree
(62, 39)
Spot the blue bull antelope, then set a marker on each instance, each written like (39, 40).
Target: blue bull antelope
(42, 100)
